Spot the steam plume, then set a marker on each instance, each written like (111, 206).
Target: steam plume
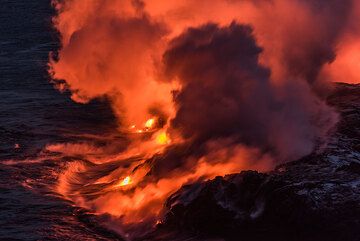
(226, 93)
(210, 87)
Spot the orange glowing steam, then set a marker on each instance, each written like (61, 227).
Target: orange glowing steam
(104, 54)
(115, 49)
(98, 59)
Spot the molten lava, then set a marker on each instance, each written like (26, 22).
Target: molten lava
(162, 138)
(199, 90)
(126, 181)
(150, 123)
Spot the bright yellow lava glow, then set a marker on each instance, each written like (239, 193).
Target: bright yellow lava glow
(150, 123)
(126, 181)
(162, 138)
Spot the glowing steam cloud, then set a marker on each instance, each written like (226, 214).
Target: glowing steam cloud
(210, 88)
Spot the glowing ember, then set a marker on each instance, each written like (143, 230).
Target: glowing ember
(162, 138)
(126, 181)
(150, 123)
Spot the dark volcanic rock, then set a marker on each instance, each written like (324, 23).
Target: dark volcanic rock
(316, 198)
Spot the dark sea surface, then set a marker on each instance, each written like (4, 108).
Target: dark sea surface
(32, 115)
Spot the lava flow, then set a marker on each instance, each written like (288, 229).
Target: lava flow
(198, 89)
(126, 181)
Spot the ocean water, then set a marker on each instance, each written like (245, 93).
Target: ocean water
(32, 115)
